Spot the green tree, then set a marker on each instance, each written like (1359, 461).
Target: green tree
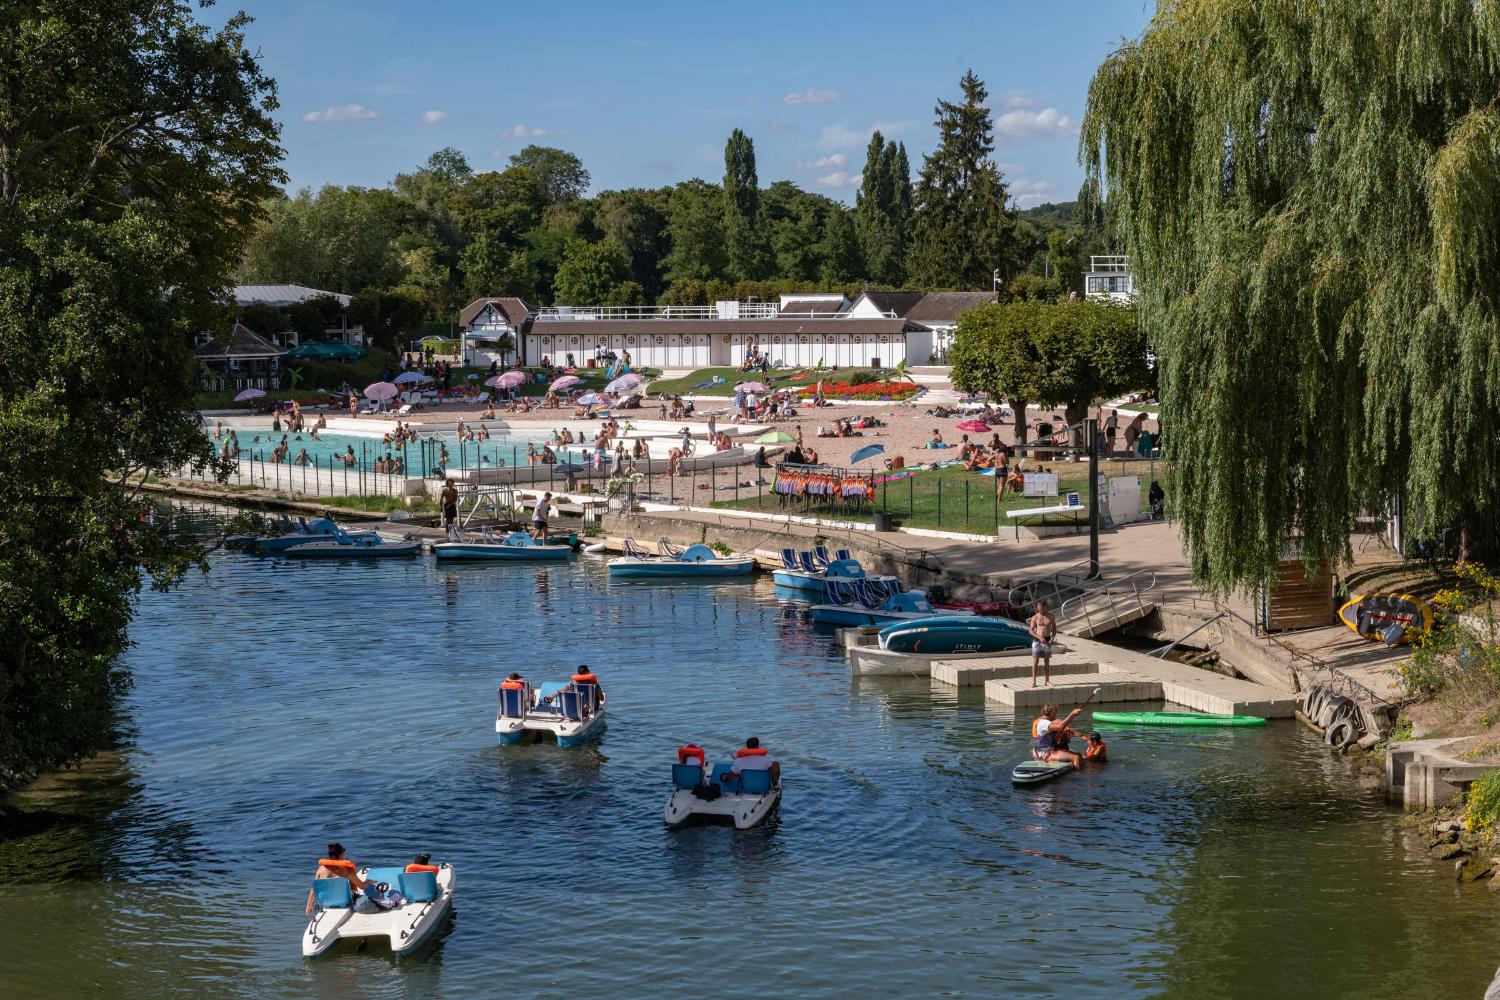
(136, 150)
(635, 220)
(695, 224)
(389, 316)
(745, 243)
(263, 319)
(492, 267)
(1068, 354)
(841, 258)
(340, 239)
(590, 272)
(559, 172)
(962, 230)
(1310, 217)
(881, 209)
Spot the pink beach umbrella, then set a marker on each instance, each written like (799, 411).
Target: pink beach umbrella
(249, 394)
(381, 391)
(624, 382)
(508, 380)
(751, 387)
(565, 383)
(977, 426)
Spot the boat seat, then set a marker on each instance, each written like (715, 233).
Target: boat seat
(513, 702)
(755, 782)
(418, 887)
(385, 873)
(789, 559)
(842, 555)
(571, 705)
(589, 693)
(805, 558)
(333, 893)
(719, 772)
(820, 556)
(687, 775)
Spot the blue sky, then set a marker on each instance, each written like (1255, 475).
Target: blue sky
(646, 92)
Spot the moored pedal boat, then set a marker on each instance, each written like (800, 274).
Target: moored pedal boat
(570, 712)
(518, 546)
(801, 577)
(905, 606)
(341, 915)
(321, 529)
(346, 546)
(947, 632)
(1388, 618)
(745, 799)
(696, 561)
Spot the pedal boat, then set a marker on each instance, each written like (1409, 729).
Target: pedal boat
(947, 632)
(693, 562)
(428, 895)
(319, 529)
(347, 546)
(745, 800)
(518, 546)
(567, 711)
(800, 577)
(909, 605)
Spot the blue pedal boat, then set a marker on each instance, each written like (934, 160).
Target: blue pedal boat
(899, 607)
(570, 712)
(518, 546)
(427, 898)
(801, 576)
(696, 561)
(320, 529)
(950, 633)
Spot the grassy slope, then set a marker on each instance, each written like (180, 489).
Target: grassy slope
(776, 378)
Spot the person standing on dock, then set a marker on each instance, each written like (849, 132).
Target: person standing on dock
(539, 515)
(1043, 629)
(449, 502)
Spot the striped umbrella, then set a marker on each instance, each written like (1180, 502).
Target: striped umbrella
(249, 394)
(624, 382)
(508, 380)
(566, 382)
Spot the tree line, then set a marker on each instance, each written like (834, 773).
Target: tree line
(443, 234)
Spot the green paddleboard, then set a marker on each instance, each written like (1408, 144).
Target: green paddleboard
(1177, 719)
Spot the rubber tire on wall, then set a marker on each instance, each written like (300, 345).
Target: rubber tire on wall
(1341, 734)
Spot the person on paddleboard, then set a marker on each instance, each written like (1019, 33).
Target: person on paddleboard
(1043, 629)
(1049, 737)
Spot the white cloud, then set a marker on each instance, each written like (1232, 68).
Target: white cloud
(522, 132)
(434, 117)
(1026, 193)
(834, 161)
(812, 95)
(838, 179)
(777, 125)
(1017, 101)
(1046, 122)
(341, 113)
(843, 137)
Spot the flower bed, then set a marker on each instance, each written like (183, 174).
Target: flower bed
(868, 391)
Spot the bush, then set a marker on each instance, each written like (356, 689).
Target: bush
(863, 378)
(1460, 654)
(1482, 805)
(869, 391)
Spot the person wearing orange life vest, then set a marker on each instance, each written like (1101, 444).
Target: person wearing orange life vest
(422, 863)
(1096, 750)
(335, 865)
(754, 757)
(583, 675)
(1049, 737)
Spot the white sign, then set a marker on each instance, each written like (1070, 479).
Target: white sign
(1040, 484)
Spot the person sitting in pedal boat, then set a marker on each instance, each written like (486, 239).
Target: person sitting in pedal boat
(1049, 737)
(335, 865)
(422, 863)
(753, 757)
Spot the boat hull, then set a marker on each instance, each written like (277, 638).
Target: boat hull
(945, 634)
(281, 543)
(333, 550)
(1177, 719)
(501, 553)
(541, 727)
(744, 811)
(639, 569)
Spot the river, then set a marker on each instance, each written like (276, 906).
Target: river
(278, 705)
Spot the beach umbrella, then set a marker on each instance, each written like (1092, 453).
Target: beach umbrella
(381, 390)
(751, 387)
(588, 399)
(565, 383)
(406, 377)
(974, 425)
(868, 451)
(624, 382)
(249, 394)
(774, 437)
(507, 380)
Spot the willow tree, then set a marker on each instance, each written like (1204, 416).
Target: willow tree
(1310, 195)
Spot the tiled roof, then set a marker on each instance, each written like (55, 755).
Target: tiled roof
(280, 296)
(513, 309)
(821, 307)
(896, 302)
(243, 342)
(945, 307)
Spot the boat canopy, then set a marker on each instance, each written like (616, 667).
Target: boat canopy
(845, 567)
(697, 553)
(911, 600)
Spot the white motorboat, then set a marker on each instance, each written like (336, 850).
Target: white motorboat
(336, 917)
(744, 799)
(570, 712)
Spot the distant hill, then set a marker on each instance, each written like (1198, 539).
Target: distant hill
(1053, 215)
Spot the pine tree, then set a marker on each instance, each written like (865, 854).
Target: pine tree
(744, 237)
(842, 262)
(962, 231)
(879, 215)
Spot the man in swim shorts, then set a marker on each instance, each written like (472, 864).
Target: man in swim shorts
(1043, 629)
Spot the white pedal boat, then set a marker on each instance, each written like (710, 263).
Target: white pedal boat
(567, 711)
(428, 898)
(744, 801)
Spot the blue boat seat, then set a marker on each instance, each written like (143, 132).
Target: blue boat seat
(513, 702)
(333, 893)
(788, 559)
(687, 775)
(719, 772)
(385, 873)
(589, 693)
(418, 887)
(820, 556)
(842, 555)
(805, 558)
(572, 706)
(755, 782)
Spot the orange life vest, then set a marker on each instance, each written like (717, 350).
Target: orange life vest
(585, 679)
(691, 750)
(339, 865)
(414, 868)
(512, 685)
(751, 752)
(1095, 751)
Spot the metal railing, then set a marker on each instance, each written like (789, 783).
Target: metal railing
(1054, 587)
(739, 310)
(1117, 600)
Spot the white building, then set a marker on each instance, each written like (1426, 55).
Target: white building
(490, 329)
(1109, 278)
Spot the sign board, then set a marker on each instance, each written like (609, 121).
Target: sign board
(1040, 484)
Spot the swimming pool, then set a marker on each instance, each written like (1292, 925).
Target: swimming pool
(427, 453)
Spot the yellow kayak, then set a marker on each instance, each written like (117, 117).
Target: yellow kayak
(1387, 618)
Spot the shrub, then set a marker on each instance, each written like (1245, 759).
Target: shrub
(1482, 805)
(863, 378)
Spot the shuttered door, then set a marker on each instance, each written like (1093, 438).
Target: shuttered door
(1297, 602)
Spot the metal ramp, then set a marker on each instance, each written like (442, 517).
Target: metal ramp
(1105, 605)
(1055, 588)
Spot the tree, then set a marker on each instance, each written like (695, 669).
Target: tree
(491, 267)
(842, 261)
(695, 223)
(389, 316)
(962, 231)
(341, 239)
(635, 220)
(880, 211)
(1310, 217)
(1067, 354)
(745, 244)
(263, 319)
(129, 179)
(590, 272)
(559, 172)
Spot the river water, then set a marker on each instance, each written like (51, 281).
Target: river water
(279, 704)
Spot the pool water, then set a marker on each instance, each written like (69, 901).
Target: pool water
(281, 704)
(424, 454)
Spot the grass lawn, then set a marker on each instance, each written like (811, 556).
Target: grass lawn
(950, 499)
(776, 378)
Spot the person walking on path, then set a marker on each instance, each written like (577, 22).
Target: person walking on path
(539, 515)
(1042, 628)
